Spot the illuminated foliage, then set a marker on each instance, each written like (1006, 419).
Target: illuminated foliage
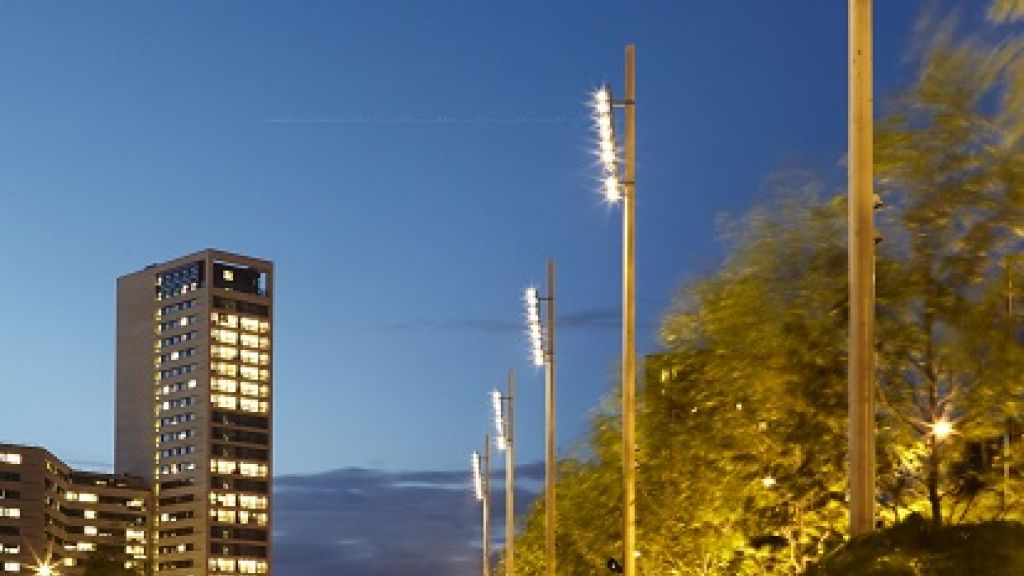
(742, 427)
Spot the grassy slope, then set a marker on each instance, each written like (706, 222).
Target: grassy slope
(910, 549)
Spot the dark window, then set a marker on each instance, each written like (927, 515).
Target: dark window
(239, 278)
(223, 533)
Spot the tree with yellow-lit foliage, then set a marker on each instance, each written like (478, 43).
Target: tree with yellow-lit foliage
(742, 426)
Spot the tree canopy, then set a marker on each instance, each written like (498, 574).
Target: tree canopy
(742, 425)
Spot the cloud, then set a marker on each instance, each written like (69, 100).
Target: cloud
(589, 318)
(385, 523)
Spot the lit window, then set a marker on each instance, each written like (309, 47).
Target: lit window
(10, 512)
(253, 389)
(226, 336)
(10, 458)
(250, 340)
(89, 530)
(252, 566)
(12, 567)
(253, 469)
(224, 352)
(250, 357)
(250, 373)
(222, 565)
(85, 546)
(132, 535)
(223, 466)
(223, 515)
(225, 320)
(249, 405)
(250, 324)
(221, 401)
(224, 385)
(229, 275)
(86, 497)
(135, 551)
(90, 514)
(252, 502)
(224, 369)
(226, 500)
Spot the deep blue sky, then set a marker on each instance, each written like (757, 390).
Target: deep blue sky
(409, 166)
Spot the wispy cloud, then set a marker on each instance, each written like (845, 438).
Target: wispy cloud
(579, 319)
(440, 119)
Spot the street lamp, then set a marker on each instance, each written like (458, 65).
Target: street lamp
(504, 407)
(543, 352)
(45, 569)
(481, 468)
(624, 189)
(942, 429)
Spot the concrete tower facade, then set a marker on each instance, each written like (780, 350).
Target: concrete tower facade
(195, 408)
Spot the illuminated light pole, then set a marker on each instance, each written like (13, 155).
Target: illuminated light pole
(45, 569)
(861, 246)
(624, 189)
(543, 348)
(481, 466)
(504, 418)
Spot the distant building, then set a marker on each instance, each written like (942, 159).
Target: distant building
(194, 408)
(52, 514)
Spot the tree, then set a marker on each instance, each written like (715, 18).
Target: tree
(742, 421)
(950, 165)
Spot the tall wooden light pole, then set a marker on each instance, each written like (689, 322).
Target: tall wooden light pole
(861, 245)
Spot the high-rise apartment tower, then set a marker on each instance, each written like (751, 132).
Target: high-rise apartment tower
(194, 408)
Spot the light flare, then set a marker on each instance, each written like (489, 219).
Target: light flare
(942, 429)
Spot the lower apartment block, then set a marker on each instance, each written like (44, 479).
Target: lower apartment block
(53, 517)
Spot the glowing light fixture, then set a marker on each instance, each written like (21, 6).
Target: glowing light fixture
(45, 569)
(499, 420)
(607, 151)
(478, 479)
(532, 301)
(768, 481)
(942, 429)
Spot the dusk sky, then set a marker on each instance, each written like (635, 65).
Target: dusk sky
(409, 166)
